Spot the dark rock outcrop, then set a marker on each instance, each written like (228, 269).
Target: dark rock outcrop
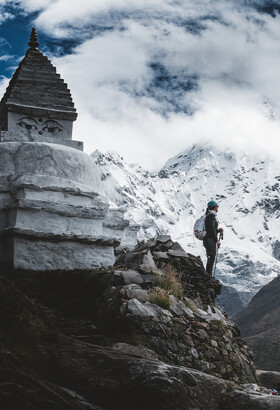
(102, 340)
(42, 368)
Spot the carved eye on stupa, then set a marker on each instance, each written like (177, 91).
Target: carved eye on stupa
(28, 123)
(52, 126)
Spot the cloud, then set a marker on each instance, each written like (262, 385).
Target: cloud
(63, 17)
(6, 57)
(151, 77)
(5, 14)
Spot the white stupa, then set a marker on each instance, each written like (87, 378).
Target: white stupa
(51, 209)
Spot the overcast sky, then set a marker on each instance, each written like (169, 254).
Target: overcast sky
(151, 77)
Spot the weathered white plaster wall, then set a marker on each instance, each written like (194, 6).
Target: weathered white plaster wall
(21, 158)
(56, 224)
(63, 196)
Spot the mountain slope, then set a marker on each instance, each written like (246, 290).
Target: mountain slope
(169, 201)
(263, 312)
(259, 323)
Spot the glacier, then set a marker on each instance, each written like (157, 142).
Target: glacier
(169, 201)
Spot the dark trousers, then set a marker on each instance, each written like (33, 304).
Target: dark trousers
(210, 246)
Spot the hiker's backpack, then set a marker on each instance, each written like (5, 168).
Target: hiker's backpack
(199, 228)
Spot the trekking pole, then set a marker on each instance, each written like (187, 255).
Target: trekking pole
(215, 262)
(221, 236)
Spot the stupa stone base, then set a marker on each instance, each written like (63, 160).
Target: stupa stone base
(51, 213)
(34, 251)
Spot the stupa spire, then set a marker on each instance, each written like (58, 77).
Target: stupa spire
(33, 42)
(36, 92)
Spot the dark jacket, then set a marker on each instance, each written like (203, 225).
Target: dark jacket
(211, 227)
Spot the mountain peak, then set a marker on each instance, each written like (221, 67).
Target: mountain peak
(169, 201)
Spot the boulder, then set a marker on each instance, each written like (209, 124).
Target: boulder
(137, 308)
(136, 292)
(163, 238)
(269, 379)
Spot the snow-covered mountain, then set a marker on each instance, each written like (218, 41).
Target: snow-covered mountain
(169, 201)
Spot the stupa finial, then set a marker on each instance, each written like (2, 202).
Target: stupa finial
(33, 43)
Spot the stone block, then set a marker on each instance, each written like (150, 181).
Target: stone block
(187, 311)
(148, 260)
(132, 260)
(137, 308)
(43, 255)
(177, 253)
(136, 292)
(150, 244)
(161, 256)
(56, 224)
(175, 307)
(131, 276)
(163, 238)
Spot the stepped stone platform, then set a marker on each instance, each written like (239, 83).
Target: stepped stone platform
(51, 213)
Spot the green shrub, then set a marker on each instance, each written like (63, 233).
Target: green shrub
(219, 324)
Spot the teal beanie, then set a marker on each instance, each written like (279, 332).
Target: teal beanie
(211, 204)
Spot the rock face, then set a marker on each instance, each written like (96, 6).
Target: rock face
(259, 324)
(52, 214)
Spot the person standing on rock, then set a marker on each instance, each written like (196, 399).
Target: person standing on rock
(210, 241)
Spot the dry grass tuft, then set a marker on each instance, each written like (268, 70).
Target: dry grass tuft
(170, 281)
(159, 297)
